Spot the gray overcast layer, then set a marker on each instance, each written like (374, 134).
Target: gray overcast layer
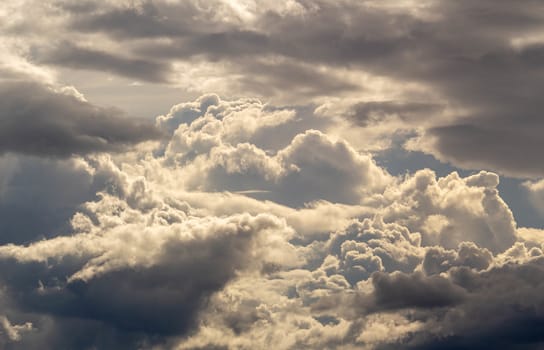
(483, 58)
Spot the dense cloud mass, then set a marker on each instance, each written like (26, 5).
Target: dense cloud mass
(255, 211)
(461, 74)
(153, 253)
(37, 120)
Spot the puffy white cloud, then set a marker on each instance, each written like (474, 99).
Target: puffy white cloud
(312, 167)
(215, 147)
(371, 246)
(214, 240)
(234, 121)
(450, 210)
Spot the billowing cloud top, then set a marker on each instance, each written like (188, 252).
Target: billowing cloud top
(219, 175)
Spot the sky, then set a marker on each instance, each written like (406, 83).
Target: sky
(257, 174)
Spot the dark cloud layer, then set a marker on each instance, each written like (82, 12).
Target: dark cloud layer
(504, 311)
(478, 57)
(36, 120)
(122, 22)
(373, 113)
(400, 290)
(73, 56)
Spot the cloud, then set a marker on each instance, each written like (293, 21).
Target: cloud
(504, 321)
(214, 145)
(219, 238)
(398, 290)
(123, 22)
(438, 260)
(450, 210)
(37, 120)
(12, 332)
(480, 61)
(70, 55)
(312, 167)
(379, 276)
(103, 273)
(38, 197)
(377, 112)
(474, 145)
(261, 219)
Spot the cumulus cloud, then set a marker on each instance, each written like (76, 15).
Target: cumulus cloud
(260, 217)
(214, 144)
(382, 275)
(253, 224)
(312, 167)
(215, 238)
(104, 271)
(451, 210)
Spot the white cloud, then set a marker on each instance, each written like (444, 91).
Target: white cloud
(333, 252)
(450, 210)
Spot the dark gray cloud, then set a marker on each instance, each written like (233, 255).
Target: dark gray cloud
(466, 52)
(465, 309)
(398, 290)
(375, 112)
(129, 305)
(508, 146)
(145, 19)
(38, 196)
(504, 309)
(166, 306)
(522, 332)
(40, 129)
(35, 120)
(289, 79)
(127, 22)
(70, 55)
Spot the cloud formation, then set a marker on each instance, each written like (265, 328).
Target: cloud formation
(154, 257)
(256, 212)
(70, 55)
(37, 120)
(462, 75)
